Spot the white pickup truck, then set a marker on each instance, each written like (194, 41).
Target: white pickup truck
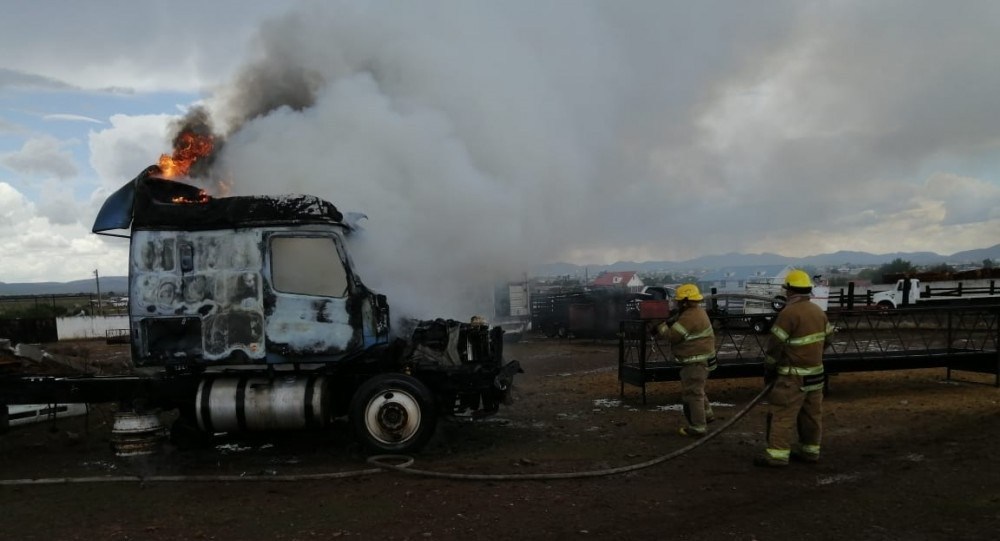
(765, 297)
(941, 292)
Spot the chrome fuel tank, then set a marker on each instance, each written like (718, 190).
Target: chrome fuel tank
(248, 403)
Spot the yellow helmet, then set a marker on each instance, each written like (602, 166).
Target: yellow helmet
(688, 292)
(798, 279)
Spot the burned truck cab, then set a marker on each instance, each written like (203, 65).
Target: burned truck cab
(246, 314)
(240, 280)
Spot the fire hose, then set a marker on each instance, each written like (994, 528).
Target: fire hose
(187, 478)
(382, 461)
(400, 463)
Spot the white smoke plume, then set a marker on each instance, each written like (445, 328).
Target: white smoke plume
(484, 138)
(460, 142)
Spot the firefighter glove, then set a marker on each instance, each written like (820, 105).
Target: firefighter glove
(658, 329)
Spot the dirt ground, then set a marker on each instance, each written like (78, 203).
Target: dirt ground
(907, 455)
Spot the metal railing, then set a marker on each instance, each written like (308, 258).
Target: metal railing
(953, 337)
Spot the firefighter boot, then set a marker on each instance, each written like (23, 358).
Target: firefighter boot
(768, 462)
(801, 455)
(687, 431)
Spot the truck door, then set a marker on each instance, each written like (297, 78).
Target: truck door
(907, 291)
(306, 312)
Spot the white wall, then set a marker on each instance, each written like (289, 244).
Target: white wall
(69, 328)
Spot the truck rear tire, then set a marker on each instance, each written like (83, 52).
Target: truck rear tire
(393, 413)
(4, 419)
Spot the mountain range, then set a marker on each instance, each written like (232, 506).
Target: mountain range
(841, 258)
(119, 284)
(116, 285)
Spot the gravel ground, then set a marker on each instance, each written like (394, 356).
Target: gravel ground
(908, 455)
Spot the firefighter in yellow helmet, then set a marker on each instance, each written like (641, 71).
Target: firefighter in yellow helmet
(692, 341)
(794, 362)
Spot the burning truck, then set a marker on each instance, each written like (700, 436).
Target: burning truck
(246, 313)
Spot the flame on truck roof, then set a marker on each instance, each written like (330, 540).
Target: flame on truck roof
(151, 202)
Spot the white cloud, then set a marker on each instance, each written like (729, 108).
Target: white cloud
(35, 250)
(50, 240)
(7, 127)
(131, 144)
(964, 200)
(43, 155)
(17, 79)
(12, 205)
(71, 117)
(59, 207)
(175, 45)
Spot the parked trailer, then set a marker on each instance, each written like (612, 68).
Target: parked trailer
(246, 313)
(584, 313)
(760, 303)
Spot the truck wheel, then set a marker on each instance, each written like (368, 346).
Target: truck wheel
(4, 419)
(884, 306)
(778, 302)
(393, 413)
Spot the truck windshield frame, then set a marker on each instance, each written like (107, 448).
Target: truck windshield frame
(308, 265)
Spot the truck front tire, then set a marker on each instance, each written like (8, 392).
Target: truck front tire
(393, 413)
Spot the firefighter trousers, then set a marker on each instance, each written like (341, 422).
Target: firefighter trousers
(793, 410)
(697, 410)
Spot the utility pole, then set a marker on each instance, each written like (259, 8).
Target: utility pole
(97, 277)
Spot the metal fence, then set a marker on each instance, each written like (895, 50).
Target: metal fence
(952, 337)
(70, 304)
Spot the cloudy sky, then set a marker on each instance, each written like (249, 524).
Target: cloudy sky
(482, 138)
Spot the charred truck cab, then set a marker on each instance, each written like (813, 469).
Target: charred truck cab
(246, 314)
(244, 281)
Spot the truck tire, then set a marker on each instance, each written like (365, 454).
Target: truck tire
(393, 413)
(778, 302)
(4, 419)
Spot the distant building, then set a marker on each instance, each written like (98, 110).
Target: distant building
(734, 279)
(628, 280)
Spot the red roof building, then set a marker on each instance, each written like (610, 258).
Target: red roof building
(628, 279)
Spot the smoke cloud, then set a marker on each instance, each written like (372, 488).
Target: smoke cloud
(482, 139)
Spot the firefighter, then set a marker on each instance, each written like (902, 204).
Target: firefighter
(692, 341)
(794, 362)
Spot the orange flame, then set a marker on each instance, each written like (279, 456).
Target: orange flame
(188, 148)
(202, 198)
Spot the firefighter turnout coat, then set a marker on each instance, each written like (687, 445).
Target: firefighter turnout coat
(794, 355)
(692, 341)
